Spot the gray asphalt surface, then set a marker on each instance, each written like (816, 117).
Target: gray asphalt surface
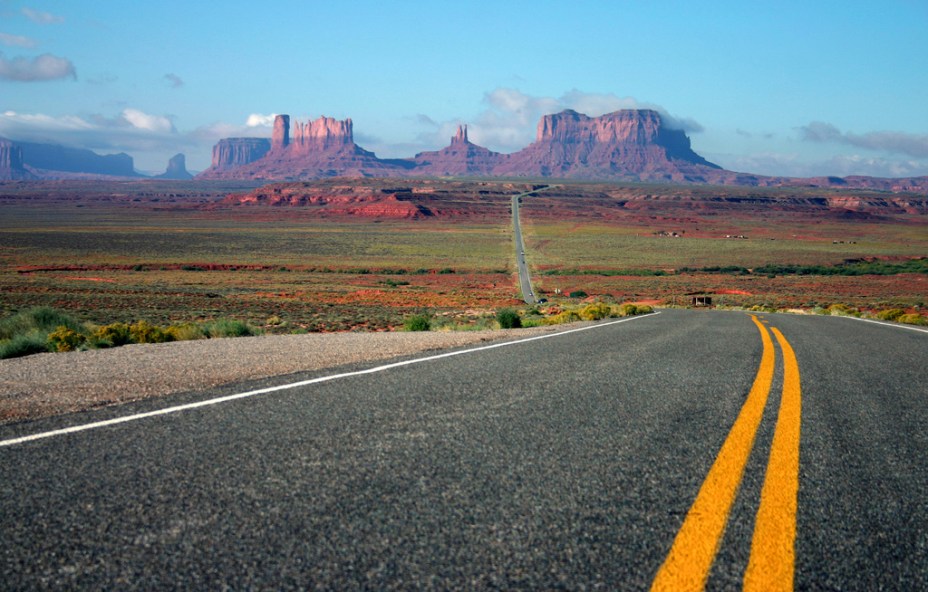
(567, 462)
(525, 280)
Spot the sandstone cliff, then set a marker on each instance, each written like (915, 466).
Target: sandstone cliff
(632, 145)
(311, 150)
(230, 153)
(326, 133)
(628, 144)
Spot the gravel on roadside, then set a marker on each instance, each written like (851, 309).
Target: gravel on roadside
(43, 385)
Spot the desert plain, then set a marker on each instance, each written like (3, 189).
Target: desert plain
(349, 254)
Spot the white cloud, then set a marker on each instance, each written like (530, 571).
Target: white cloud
(43, 67)
(42, 18)
(12, 123)
(150, 139)
(144, 121)
(260, 120)
(131, 129)
(17, 41)
(915, 145)
(793, 165)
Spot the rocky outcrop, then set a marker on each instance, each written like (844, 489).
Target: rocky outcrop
(461, 159)
(338, 200)
(54, 161)
(326, 133)
(11, 162)
(231, 153)
(312, 150)
(177, 169)
(280, 139)
(630, 144)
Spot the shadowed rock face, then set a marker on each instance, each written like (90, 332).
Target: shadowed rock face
(177, 169)
(230, 153)
(53, 158)
(11, 162)
(280, 139)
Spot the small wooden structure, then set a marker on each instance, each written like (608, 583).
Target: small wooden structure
(700, 300)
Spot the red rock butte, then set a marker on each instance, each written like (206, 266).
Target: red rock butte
(322, 134)
(626, 145)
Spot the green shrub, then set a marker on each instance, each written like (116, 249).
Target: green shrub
(64, 340)
(185, 332)
(41, 319)
(912, 319)
(578, 294)
(228, 328)
(145, 332)
(644, 309)
(417, 323)
(23, 345)
(508, 319)
(890, 315)
(595, 311)
(112, 335)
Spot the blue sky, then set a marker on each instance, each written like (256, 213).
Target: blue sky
(795, 88)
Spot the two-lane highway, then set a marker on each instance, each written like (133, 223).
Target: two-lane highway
(525, 280)
(571, 461)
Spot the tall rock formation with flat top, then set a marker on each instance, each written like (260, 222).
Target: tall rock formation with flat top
(326, 133)
(311, 150)
(628, 144)
(177, 169)
(461, 159)
(231, 153)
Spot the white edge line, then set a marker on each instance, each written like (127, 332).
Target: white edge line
(895, 325)
(271, 389)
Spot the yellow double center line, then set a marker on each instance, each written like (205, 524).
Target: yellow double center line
(771, 565)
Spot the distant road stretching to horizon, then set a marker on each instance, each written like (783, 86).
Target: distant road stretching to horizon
(525, 279)
(671, 451)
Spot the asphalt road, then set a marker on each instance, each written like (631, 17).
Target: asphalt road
(567, 462)
(525, 280)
